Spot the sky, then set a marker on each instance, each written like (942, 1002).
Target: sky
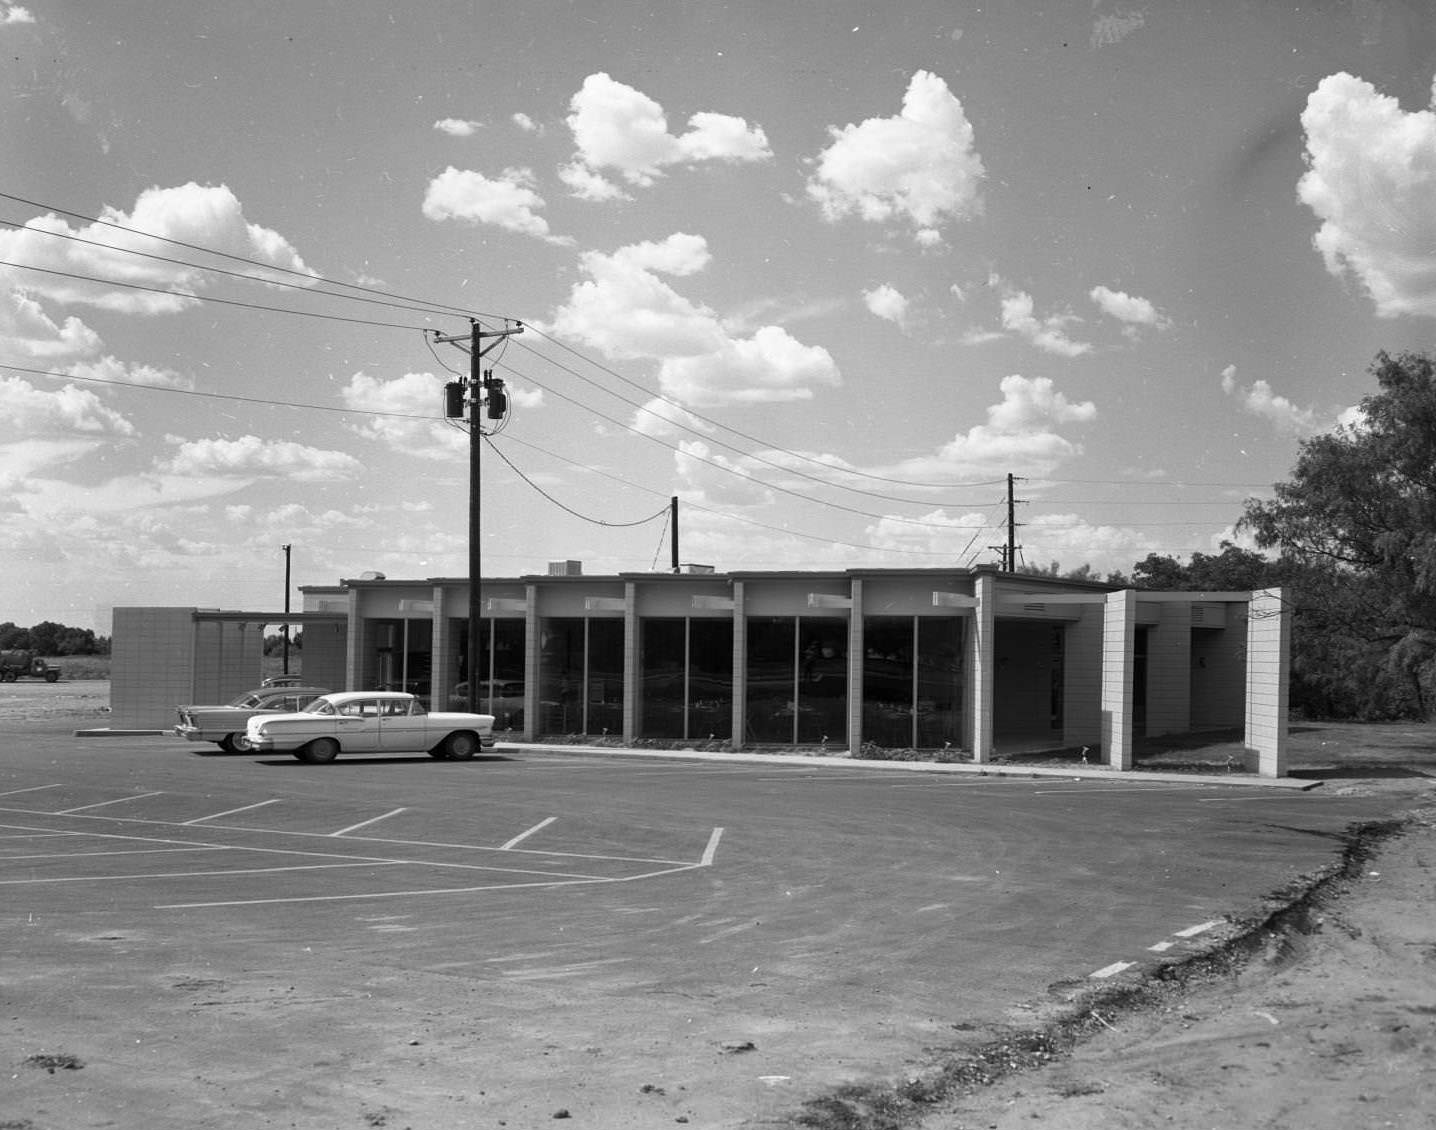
(827, 272)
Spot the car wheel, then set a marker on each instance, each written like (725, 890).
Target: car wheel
(52, 676)
(461, 746)
(227, 743)
(320, 751)
(8, 677)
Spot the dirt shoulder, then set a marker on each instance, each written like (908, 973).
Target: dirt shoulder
(1331, 1025)
(1319, 1016)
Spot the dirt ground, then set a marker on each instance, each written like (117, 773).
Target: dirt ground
(1320, 1017)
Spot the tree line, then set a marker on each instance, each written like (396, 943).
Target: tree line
(50, 639)
(1351, 539)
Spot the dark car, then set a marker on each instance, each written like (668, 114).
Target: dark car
(225, 725)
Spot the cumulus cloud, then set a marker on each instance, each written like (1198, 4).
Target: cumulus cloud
(509, 201)
(26, 329)
(207, 215)
(1371, 181)
(919, 166)
(1048, 334)
(887, 302)
(628, 311)
(29, 412)
(1019, 435)
(15, 14)
(458, 127)
(618, 128)
(407, 413)
(112, 370)
(526, 123)
(250, 457)
(1260, 400)
(1128, 308)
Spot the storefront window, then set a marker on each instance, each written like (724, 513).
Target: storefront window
(912, 681)
(501, 671)
(686, 688)
(797, 680)
(401, 655)
(581, 676)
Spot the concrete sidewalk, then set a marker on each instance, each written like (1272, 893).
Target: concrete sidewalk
(989, 769)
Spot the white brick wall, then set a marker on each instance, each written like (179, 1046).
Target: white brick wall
(1082, 679)
(1119, 628)
(1267, 682)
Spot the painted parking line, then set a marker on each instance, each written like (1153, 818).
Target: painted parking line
(229, 812)
(157, 844)
(31, 789)
(522, 836)
(105, 803)
(1112, 970)
(367, 823)
(1193, 931)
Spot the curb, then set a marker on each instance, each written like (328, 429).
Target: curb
(988, 769)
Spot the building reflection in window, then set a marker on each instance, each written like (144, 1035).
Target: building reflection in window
(686, 685)
(912, 681)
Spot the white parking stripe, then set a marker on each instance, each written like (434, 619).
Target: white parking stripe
(103, 803)
(1113, 969)
(366, 823)
(31, 789)
(522, 836)
(1193, 931)
(229, 812)
(712, 849)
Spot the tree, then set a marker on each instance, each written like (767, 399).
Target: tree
(1359, 512)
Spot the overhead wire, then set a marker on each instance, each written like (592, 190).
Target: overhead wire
(444, 309)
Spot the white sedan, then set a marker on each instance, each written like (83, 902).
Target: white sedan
(370, 722)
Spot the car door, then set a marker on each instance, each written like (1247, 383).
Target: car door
(404, 726)
(358, 725)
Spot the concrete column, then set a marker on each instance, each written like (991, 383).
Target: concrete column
(531, 661)
(353, 645)
(440, 684)
(1268, 680)
(855, 670)
(981, 667)
(740, 668)
(1119, 631)
(631, 673)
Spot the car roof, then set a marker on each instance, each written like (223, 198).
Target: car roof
(350, 696)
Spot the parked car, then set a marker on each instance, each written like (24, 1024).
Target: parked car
(505, 699)
(224, 725)
(370, 722)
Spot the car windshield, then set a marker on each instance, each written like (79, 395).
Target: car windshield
(319, 706)
(249, 698)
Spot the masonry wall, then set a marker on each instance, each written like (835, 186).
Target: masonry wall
(322, 662)
(1268, 656)
(1219, 672)
(1082, 679)
(1118, 633)
(1169, 684)
(151, 665)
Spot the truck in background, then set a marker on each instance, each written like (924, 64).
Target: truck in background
(17, 663)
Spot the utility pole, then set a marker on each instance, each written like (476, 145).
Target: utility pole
(673, 521)
(285, 633)
(1011, 561)
(1008, 551)
(495, 400)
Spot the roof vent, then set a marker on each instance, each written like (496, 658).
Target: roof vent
(565, 568)
(372, 575)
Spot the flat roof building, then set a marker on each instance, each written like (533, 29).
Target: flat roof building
(862, 660)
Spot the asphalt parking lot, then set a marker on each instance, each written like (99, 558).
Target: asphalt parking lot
(409, 942)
